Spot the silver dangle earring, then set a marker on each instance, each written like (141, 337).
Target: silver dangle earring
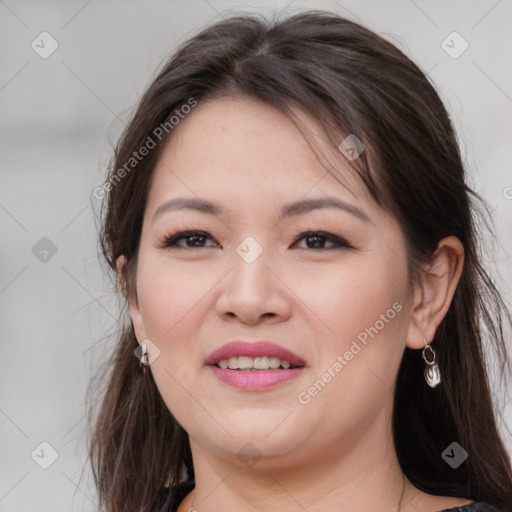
(432, 373)
(144, 359)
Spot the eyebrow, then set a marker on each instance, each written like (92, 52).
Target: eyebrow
(287, 210)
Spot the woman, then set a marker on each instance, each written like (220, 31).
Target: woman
(290, 226)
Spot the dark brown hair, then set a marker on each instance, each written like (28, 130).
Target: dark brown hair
(351, 81)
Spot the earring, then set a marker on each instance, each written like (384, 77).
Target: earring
(144, 359)
(432, 373)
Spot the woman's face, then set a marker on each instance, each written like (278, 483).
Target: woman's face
(336, 298)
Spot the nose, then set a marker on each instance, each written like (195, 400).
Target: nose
(253, 293)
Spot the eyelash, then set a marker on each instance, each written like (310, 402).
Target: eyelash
(169, 241)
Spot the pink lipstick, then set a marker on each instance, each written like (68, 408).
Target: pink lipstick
(254, 366)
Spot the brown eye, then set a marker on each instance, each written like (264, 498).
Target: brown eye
(193, 239)
(318, 239)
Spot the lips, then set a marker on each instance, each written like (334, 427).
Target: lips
(253, 349)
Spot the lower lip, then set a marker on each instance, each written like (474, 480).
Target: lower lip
(255, 380)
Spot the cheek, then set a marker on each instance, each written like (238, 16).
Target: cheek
(364, 310)
(172, 311)
(351, 298)
(172, 302)
(160, 304)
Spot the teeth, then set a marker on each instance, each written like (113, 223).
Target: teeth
(254, 363)
(274, 362)
(245, 363)
(261, 363)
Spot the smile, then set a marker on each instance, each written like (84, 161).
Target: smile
(244, 363)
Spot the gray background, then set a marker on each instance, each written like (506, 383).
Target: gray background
(58, 118)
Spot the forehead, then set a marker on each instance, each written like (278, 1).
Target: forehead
(244, 151)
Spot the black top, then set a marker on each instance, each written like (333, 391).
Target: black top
(477, 506)
(184, 488)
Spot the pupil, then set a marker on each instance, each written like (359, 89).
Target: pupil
(195, 238)
(318, 240)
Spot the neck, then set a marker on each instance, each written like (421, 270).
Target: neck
(362, 476)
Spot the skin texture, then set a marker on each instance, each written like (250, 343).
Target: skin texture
(335, 452)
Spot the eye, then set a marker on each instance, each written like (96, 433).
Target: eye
(197, 240)
(192, 239)
(317, 240)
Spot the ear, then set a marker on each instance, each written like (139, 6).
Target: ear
(136, 317)
(432, 297)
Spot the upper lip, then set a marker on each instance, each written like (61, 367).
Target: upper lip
(253, 349)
